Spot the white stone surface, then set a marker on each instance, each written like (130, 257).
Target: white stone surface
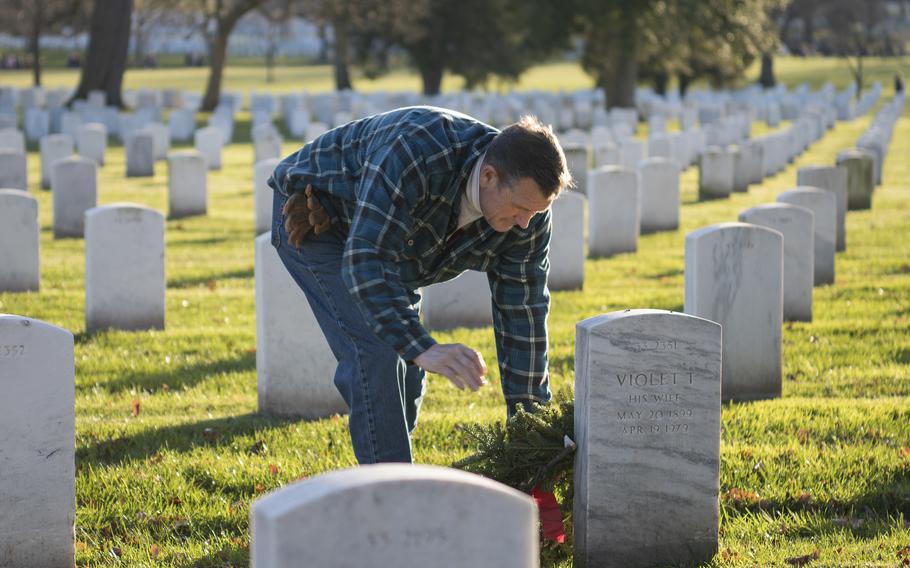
(463, 301)
(614, 211)
(140, 154)
(833, 179)
(19, 243)
(37, 445)
(37, 123)
(12, 139)
(659, 195)
(187, 184)
(181, 125)
(91, 141)
(161, 139)
(262, 193)
(75, 190)
(124, 268)
(860, 167)
(631, 152)
(208, 143)
(567, 243)
(741, 168)
(54, 147)
(295, 367)
(13, 170)
(267, 146)
(734, 276)
(606, 154)
(797, 225)
(577, 162)
(647, 425)
(401, 515)
(823, 205)
(715, 173)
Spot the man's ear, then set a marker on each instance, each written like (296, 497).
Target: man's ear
(488, 175)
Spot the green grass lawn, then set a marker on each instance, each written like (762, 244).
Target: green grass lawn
(826, 467)
(548, 77)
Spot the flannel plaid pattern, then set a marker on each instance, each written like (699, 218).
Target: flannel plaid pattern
(392, 183)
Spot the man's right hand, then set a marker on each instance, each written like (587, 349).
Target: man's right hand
(463, 366)
(303, 213)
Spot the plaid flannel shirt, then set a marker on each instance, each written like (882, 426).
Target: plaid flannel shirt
(393, 183)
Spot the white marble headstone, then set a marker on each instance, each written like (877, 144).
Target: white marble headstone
(20, 268)
(124, 268)
(715, 173)
(577, 162)
(295, 367)
(823, 205)
(91, 141)
(187, 184)
(37, 444)
(13, 169)
(797, 225)
(647, 426)
(54, 147)
(567, 243)
(12, 139)
(734, 276)
(659, 195)
(262, 193)
(833, 179)
(401, 515)
(140, 154)
(614, 211)
(208, 142)
(75, 190)
(463, 301)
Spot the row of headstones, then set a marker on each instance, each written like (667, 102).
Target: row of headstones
(648, 391)
(877, 137)
(810, 254)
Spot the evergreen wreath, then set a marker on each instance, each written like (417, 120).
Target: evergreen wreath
(533, 449)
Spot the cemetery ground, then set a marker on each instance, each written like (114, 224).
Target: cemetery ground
(170, 451)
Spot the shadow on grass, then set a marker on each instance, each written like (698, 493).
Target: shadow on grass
(861, 515)
(193, 281)
(216, 433)
(178, 377)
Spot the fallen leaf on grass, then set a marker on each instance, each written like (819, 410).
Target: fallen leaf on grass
(803, 560)
(134, 406)
(904, 552)
(260, 488)
(802, 435)
(153, 551)
(273, 469)
(804, 498)
(740, 496)
(905, 452)
(728, 554)
(212, 285)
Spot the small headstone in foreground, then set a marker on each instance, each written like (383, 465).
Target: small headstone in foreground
(187, 184)
(140, 154)
(13, 170)
(659, 195)
(614, 211)
(567, 243)
(402, 515)
(54, 147)
(824, 215)
(37, 444)
(75, 191)
(860, 166)
(91, 141)
(208, 142)
(833, 179)
(715, 173)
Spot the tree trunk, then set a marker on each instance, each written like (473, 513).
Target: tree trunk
(766, 78)
(342, 75)
(622, 72)
(217, 57)
(661, 80)
(684, 82)
(34, 47)
(859, 76)
(108, 50)
(432, 79)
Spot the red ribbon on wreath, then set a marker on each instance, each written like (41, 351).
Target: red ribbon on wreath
(550, 515)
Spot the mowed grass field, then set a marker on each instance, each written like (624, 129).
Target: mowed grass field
(171, 452)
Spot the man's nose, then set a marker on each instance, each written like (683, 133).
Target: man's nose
(522, 220)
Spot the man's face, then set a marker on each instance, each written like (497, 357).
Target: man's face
(506, 206)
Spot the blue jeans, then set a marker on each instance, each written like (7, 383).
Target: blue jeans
(382, 391)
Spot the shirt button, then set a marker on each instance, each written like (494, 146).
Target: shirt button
(410, 242)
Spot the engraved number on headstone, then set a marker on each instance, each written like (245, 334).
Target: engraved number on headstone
(10, 351)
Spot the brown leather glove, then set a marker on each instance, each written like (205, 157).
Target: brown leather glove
(303, 213)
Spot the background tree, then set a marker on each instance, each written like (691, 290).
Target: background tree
(108, 48)
(34, 18)
(217, 21)
(276, 14)
(856, 30)
(148, 17)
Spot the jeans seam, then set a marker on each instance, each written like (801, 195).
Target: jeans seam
(366, 396)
